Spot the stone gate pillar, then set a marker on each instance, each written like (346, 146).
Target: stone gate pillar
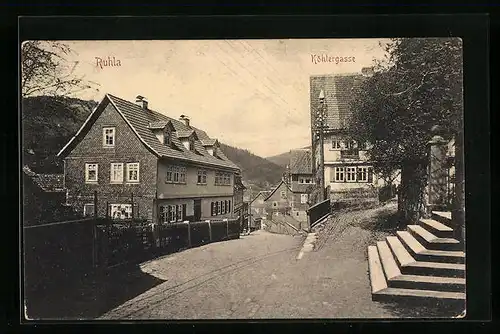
(437, 185)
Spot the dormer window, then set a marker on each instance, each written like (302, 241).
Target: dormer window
(191, 144)
(167, 138)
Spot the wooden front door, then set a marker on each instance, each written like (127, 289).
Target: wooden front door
(197, 210)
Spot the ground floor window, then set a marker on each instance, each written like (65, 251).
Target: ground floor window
(171, 213)
(339, 174)
(352, 174)
(303, 198)
(363, 174)
(88, 210)
(120, 211)
(220, 207)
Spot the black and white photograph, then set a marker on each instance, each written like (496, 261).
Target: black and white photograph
(243, 179)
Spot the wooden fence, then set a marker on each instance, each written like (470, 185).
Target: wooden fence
(57, 253)
(64, 252)
(318, 212)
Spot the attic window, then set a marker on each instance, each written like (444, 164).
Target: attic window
(191, 144)
(167, 138)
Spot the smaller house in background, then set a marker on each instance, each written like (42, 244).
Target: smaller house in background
(279, 199)
(257, 208)
(300, 180)
(44, 198)
(240, 207)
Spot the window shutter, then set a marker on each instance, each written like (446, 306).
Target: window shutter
(370, 174)
(212, 209)
(184, 206)
(358, 174)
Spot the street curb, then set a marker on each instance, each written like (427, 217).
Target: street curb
(308, 245)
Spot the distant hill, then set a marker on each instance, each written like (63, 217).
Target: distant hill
(282, 159)
(255, 170)
(49, 123)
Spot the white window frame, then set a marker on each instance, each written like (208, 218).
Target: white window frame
(283, 194)
(129, 165)
(182, 174)
(363, 172)
(87, 172)
(179, 213)
(223, 209)
(112, 169)
(85, 206)
(105, 136)
(172, 209)
(350, 174)
(339, 171)
(167, 138)
(303, 198)
(163, 210)
(169, 172)
(115, 207)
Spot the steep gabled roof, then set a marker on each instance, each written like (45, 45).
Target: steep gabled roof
(140, 120)
(339, 90)
(300, 161)
(276, 188)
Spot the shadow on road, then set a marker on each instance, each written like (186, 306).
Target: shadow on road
(425, 309)
(91, 297)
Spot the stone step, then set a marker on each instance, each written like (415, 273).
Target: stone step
(395, 294)
(377, 278)
(395, 279)
(420, 253)
(409, 266)
(432, 242)
(435, 283)
(438, 229)
(444, 217)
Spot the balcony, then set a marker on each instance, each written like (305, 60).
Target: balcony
(352, 154)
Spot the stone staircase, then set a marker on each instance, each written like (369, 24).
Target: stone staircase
(423, 263)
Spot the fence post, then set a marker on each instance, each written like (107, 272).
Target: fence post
(227, 227)
(189, 233)
(209, 229)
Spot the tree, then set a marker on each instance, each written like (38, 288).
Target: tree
(417, 86)
(46, 71)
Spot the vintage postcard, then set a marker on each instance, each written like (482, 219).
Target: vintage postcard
(243, 179)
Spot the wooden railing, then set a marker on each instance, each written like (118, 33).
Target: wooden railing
(318, 212)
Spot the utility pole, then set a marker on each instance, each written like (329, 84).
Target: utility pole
(320, 121)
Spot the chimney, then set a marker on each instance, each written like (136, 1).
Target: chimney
(142, 102)
(185, 119)
(367, 71)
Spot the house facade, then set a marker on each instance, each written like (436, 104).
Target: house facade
(257, 208)
(301, 179)
(143, 164)
(348, 171)
(240, 207)
(278, 201)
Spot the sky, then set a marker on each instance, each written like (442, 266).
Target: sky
(252, 94)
